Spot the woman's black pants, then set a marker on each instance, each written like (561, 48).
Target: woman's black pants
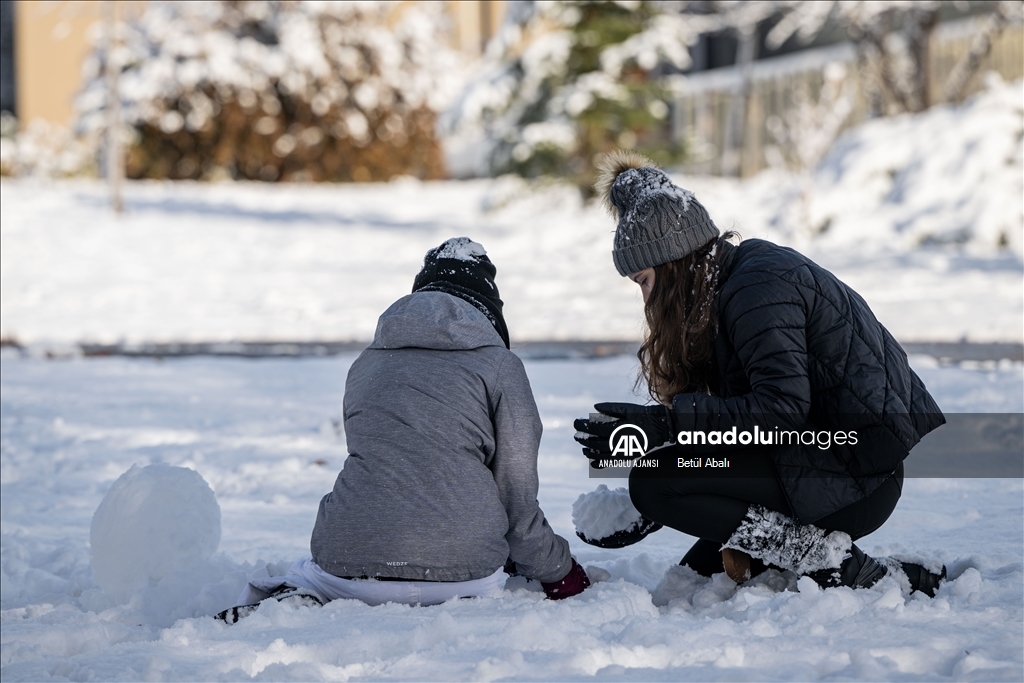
(712, 508)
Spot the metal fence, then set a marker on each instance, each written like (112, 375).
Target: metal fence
(723, 138)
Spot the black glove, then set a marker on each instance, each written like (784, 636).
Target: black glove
(593, 435)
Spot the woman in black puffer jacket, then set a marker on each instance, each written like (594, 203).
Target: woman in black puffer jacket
(758, 343)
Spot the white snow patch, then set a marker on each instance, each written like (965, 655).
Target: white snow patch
(779, 540)
(462, 249)
(648, 186)
(918, 238)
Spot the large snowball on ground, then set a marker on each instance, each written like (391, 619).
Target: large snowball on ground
(154, 520)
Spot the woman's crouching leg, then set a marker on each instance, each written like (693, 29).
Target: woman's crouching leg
(707, 507)
(867, 514)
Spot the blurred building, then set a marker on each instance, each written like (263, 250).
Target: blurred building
(730, 115)
(738, 118)
(7, 55)
(44, 44)
(48, 42)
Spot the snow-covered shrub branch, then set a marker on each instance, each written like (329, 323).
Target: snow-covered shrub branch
(809, 126)
(279, 90)
(892, 39)
(45, 149)
(565, 81)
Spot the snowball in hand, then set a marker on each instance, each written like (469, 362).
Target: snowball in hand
(154, 520)
(604, 512)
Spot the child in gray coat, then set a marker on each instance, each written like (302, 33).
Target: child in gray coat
(439, 490)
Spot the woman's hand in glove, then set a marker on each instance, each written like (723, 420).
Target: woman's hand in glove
(574, 583)
(654, 420)
(592, 433)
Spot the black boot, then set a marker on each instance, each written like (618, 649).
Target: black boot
(858, 570)
(232, 615)
(283, 593)
(705, 558)
(921, 579)
(741, 567)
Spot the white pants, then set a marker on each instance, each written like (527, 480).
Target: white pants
(308, 575)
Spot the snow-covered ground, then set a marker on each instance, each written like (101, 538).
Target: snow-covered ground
(910, 211)
(263, 434)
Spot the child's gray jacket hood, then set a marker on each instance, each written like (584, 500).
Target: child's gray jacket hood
(434, 320)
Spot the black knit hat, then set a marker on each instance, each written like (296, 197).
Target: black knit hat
(460, 267)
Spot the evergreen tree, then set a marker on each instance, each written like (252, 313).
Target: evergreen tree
(571, 80)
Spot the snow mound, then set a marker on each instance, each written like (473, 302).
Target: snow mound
(154, 521)
(603, 512)
(950, 176)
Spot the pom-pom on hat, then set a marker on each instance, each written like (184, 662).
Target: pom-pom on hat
(658, 220)
(460, 267)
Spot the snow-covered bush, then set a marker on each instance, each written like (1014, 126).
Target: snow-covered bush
(44, 149)
(279, 90)
(565, 81)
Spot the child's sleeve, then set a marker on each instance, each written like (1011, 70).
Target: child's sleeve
(539, 553)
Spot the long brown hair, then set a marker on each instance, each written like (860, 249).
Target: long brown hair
(682, 323)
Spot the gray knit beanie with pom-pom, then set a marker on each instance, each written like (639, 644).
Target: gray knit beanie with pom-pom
(658, 220)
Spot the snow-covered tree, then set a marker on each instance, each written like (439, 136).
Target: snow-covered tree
(279, 90)
(566, 81)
